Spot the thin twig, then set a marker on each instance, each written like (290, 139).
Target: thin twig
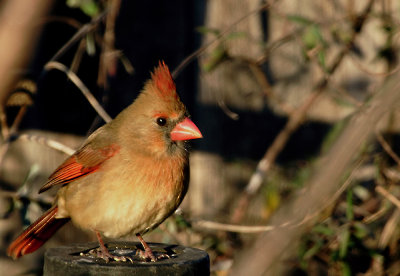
(76, 61)
(17, 121)
(85, 91)
(222, 34)
(373, 74)
(389, 229)
(255, 68)
(64, 19)
(388, 196)
(47, 142)
(231, 228)
(264, 228)
(79, 34)
(385, 145)
(107, 64)
(227, 111)
(345, 95)
(375, 216)
(3, 123)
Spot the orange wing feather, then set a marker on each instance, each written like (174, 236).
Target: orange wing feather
(85, 161)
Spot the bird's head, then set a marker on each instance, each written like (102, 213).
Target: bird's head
(162, 122)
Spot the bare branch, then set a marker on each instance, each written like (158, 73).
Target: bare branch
(85, 91)
(212, 225)
(47, 142)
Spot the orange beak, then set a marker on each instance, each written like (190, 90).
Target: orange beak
(185, 130)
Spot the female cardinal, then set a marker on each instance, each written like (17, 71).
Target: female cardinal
(127, 178)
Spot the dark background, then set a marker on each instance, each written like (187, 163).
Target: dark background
(146, 32)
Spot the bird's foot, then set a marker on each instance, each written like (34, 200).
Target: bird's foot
(148, 255)
(104, 254)
(107, 256)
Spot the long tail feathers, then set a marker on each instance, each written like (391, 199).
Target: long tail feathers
(36, 234)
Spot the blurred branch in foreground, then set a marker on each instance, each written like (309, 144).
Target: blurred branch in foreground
(19, 30)
(266, 254)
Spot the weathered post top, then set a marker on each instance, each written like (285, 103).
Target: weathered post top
(76, 260)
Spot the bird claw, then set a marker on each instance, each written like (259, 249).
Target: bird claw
(122, 259)
(146, 254)
(149, 255)
(107, 256)
(163, 256)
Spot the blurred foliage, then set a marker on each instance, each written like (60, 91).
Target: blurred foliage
(356, 233)
(220, 52)
(89, 7)
(312, 38)
(351, 239)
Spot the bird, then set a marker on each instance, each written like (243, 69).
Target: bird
(128, 176)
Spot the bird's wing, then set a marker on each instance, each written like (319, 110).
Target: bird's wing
(83, 162)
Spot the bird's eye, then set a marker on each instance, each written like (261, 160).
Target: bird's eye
(161, 121)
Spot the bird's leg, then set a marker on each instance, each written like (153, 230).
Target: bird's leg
(106, 255)
(148, 253)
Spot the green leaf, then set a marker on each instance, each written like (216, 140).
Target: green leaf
(344, 243)
(272, 198)
(313, 250)
(346, 270)
(216, 57)
(349, 208)
(360, 230)
(321, 59)
(324, 230)
(235, 35)
(299, 19)
(312, 37)
(309, 38)
(207, 30)
(317, 33)
(89, 7)
(90, 44)
(182, 222)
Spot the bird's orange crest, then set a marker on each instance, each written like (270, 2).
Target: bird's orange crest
(163, 80)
